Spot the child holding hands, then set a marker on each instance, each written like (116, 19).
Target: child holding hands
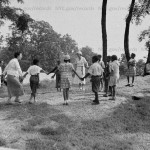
(66, 69)
(96, 72)
(34, 72)
(114, 69)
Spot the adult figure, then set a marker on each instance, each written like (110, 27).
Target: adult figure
(131, 70)
(80, 65)
(14, 75)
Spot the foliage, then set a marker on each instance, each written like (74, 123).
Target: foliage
(145, 35)
(141, 9)
(16, 15)
(38, 41)
(140, 67)
(88, 53)
(123, 64)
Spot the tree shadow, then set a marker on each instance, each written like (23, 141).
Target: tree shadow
(112, 132)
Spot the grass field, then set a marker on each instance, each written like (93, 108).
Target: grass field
(123, 124)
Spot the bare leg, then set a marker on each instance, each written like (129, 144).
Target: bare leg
(132, 80)
(67, 95)
(17, 99)
(128, 79)
(64, 95)
(114, 92)
(80, 86)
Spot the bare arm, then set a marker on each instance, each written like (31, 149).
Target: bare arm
(25, 75)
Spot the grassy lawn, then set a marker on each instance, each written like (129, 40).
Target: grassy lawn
(48, 125)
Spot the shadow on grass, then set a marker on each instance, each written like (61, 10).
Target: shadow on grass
(131, 117)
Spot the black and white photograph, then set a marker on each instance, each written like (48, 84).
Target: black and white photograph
(74, 74)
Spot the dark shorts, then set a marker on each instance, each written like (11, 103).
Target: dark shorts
(34, 82)
(95, 83)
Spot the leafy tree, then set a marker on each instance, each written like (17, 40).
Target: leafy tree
(88, 54)
(69, 46)
(140, 67)
(38, 41)
(123, 64)
(16, 15)
(145, 35)
(137, 10)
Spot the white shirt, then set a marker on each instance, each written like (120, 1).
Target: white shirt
(95, 69)
(102, 64)
(81, 62)
(34, 70)
(0, 71)
(13, 68)
(114, 68)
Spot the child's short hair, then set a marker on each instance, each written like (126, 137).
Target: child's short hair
(133, 55)
(99, 57)
(108, 58)
(16, 54)
(67, 60)
(35, 61)
(114, 57)
(95, 59)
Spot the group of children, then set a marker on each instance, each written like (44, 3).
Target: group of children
(98, 72)
(66, 69)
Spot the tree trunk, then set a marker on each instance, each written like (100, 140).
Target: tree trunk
(126, 35)
(148, 58)
(104, 33)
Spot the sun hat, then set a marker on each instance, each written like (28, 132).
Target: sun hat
(66, 57)
(79, 52)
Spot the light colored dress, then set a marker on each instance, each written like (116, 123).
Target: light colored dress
(114, 77)
(80, 70)
(66, 70)
(13, 71)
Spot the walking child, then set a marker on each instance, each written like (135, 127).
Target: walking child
(114, 77)
(66, 69)
(96, 72)
(34, 72)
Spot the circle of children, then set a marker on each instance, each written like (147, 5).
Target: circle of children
(66, 73)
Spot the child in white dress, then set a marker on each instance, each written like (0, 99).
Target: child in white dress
(114, 77)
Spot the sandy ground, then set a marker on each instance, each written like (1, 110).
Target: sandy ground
(113, 125)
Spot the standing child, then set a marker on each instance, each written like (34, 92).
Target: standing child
(107, 76)
(131, 70)
(66, 69)
(103, 67)
(114, 69)
(96, 71)
(34, 71)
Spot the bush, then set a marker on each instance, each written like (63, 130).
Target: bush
(46, 83)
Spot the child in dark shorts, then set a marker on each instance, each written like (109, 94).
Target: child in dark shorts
(96, 72)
